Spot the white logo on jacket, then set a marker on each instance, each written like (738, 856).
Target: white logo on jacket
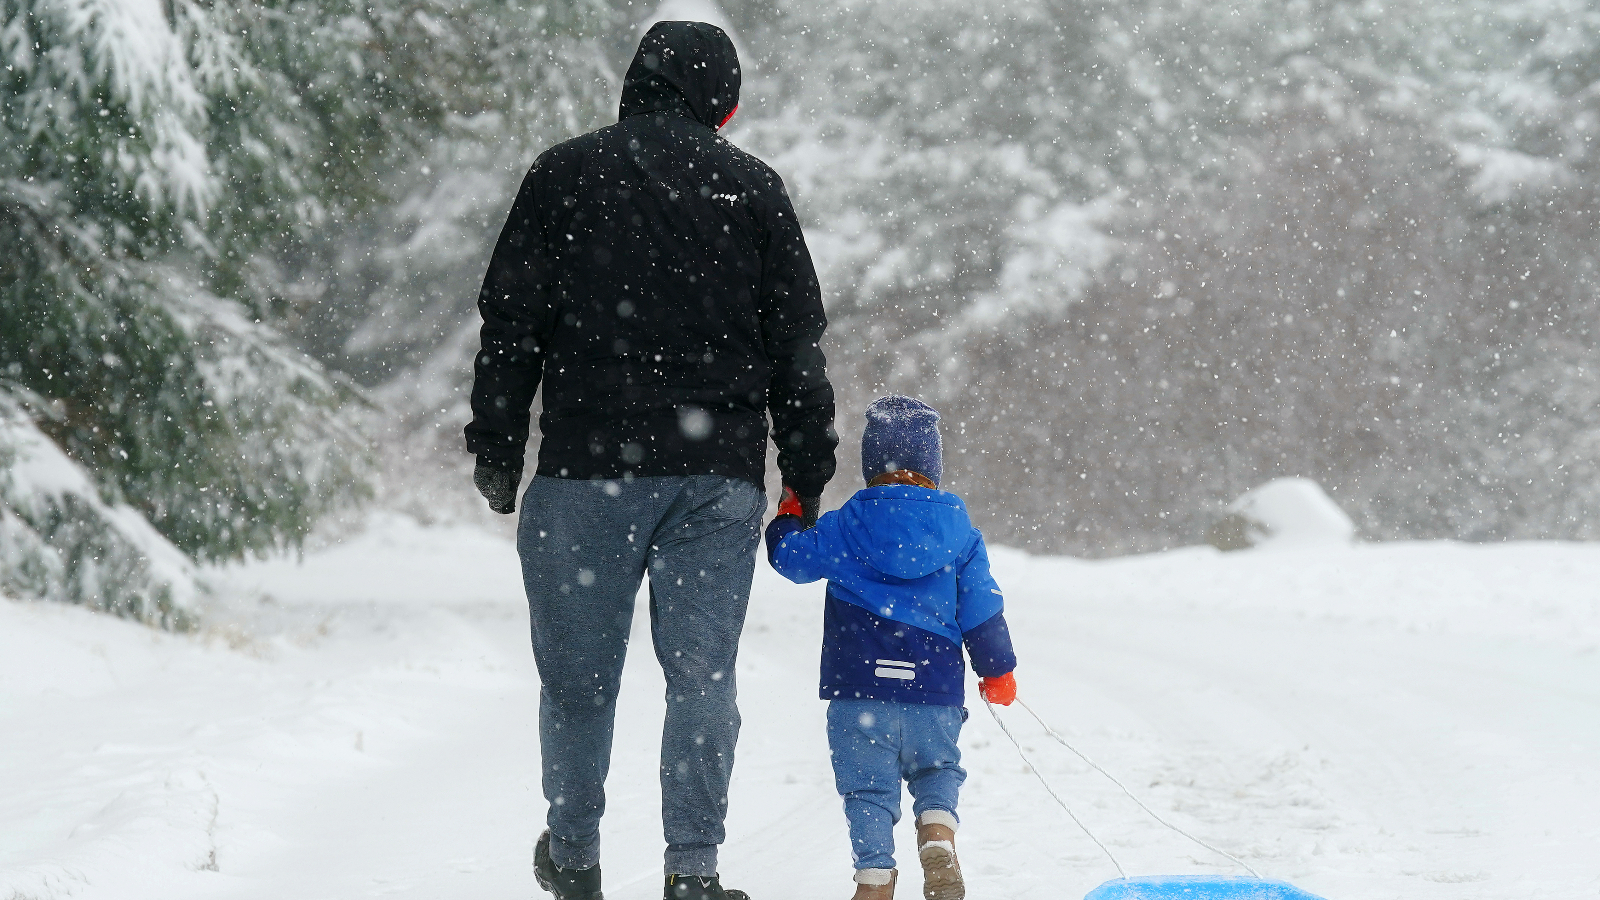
(893, 668)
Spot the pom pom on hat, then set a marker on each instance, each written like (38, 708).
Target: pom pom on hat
(901, 433)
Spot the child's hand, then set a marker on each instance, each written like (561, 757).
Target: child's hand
(1001, 689)
(790, 504)
(806, 509)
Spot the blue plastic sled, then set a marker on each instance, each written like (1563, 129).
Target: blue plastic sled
(1197, 887)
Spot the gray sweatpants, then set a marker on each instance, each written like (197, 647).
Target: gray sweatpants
(585, 546)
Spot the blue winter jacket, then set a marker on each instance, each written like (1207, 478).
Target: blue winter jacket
(908, 583)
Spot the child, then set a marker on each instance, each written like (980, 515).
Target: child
(908, 584)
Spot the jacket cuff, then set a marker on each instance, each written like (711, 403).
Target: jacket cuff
(503, 463)
(809, 485)
(989, 646)
(777, 530)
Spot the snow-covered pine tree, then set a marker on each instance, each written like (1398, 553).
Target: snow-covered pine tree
(179, 404)
(191, 189)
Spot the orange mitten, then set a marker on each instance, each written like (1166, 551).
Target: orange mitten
(1001, 689)
(790, 504)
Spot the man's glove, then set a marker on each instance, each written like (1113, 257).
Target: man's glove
(806, 509)
(498, 485)
(1001, 689)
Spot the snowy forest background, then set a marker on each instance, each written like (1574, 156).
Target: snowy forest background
(1143, 254)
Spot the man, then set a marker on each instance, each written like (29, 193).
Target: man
(655, 278)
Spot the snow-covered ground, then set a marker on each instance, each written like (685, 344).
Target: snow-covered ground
(1397, 721)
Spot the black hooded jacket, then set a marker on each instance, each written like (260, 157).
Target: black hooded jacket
(655, 277)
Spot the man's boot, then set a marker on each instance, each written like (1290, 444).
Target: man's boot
(936, 850)
(565, 884)
(875, 884)
(698, 887)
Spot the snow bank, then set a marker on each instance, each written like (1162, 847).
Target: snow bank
(1284, 512)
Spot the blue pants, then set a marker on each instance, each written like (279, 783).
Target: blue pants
(875, 744)
(585, 547)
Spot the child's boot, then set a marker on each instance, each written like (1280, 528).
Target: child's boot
(875, 884)
(936, 848)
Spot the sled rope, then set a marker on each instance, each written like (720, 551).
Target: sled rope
(1096, 766)
(1052, 791)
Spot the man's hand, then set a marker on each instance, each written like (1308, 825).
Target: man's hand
(806, 509)
(498, 485)
(1001, 689)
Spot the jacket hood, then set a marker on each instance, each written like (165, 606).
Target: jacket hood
(683, 66)
(904, 531)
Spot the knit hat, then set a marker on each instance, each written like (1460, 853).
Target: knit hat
(902, 433)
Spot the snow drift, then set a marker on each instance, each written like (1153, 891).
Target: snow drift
(1284, 512)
